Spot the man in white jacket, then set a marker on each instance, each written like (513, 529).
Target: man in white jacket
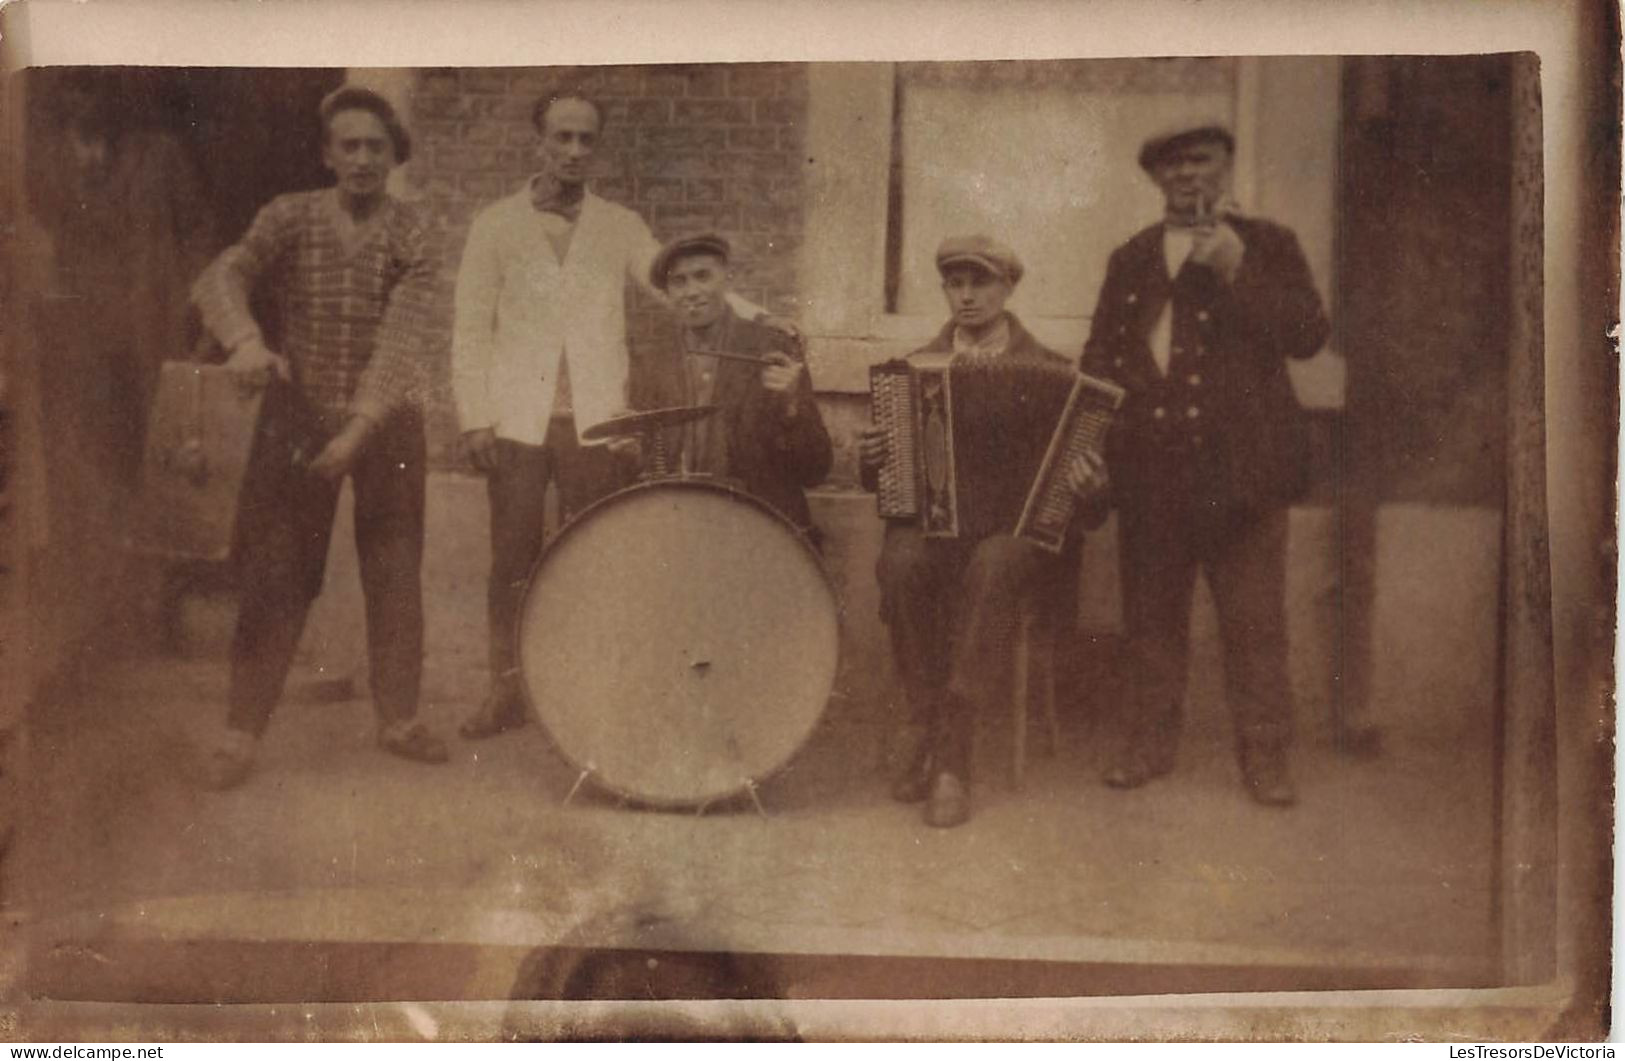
(539, 355)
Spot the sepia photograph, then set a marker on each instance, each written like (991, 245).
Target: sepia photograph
(803, 548)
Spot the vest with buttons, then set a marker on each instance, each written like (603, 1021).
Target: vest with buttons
(1169, 411)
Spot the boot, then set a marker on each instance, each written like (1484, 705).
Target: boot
(949, 802)
(1139, 767)
(1145, 752)
(225, 757)
(412, 740)
(913, 783)
(1266, 775)
(497, 714)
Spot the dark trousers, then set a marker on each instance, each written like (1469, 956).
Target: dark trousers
(287, 523)
(1163, 543)
(952, 606)
(517, 488)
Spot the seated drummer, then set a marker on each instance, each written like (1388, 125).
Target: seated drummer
(953, 603)
(767, 432)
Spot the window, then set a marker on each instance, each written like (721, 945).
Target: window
(1037, 155)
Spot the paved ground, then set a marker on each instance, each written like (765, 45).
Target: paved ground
(1385, 866)
(339, 873)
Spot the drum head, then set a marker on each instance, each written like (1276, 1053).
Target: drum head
(678, 641)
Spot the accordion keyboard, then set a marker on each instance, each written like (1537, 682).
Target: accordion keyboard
(1082, 429)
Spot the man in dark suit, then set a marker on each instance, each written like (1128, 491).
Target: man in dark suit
(1196, 320)
(952, 603)
(767, 433)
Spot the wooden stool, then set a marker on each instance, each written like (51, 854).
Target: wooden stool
(1034, 680)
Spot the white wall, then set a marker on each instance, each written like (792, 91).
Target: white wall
(1019, 175)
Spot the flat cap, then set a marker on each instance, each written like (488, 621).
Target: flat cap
(699, 243)
(355, 97)
(1179, 137)
(988, 253)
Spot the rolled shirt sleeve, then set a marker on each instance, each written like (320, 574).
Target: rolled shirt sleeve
(221, 291)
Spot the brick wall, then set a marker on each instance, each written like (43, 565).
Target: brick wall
(688, 147)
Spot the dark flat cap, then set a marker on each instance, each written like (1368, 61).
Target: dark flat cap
(699, 243)
(1166, 143)
(988, 253)
(348, 97)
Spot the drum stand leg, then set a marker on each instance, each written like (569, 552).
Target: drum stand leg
(576, 787)
(750, 786)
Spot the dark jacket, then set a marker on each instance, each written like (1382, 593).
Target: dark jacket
(1226, 402)
(773, 456)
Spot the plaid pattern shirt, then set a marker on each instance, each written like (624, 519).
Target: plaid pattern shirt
(354, 318)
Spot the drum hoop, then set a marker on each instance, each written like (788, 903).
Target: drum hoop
(703, 484)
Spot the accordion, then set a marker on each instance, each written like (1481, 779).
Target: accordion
(981, 446)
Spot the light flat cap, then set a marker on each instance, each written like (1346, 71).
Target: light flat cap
(982, 251)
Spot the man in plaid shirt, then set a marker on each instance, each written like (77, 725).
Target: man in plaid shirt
(354, 282)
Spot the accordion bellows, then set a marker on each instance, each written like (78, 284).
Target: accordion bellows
(981, 446)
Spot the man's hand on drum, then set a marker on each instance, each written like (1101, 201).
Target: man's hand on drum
(627, 448)
(782, 379)
(1087, 477)
(480, 446)
(252, 359)
(872, 448)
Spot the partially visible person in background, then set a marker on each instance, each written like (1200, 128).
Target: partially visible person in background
(130, 228)
(124, 227)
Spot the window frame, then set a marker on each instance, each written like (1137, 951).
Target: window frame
(850, 142)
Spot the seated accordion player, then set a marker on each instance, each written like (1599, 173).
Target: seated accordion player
(977, 447)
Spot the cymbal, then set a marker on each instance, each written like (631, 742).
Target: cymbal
(647, 420)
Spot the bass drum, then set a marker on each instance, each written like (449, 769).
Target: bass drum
(678, 642)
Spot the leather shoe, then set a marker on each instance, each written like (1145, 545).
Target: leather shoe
(949, 802)
(1267, 778)
(226, 758)
(912, 786)
(1134, 770)
(411, 740)
(493, 717)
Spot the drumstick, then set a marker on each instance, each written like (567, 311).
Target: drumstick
(752, 359)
